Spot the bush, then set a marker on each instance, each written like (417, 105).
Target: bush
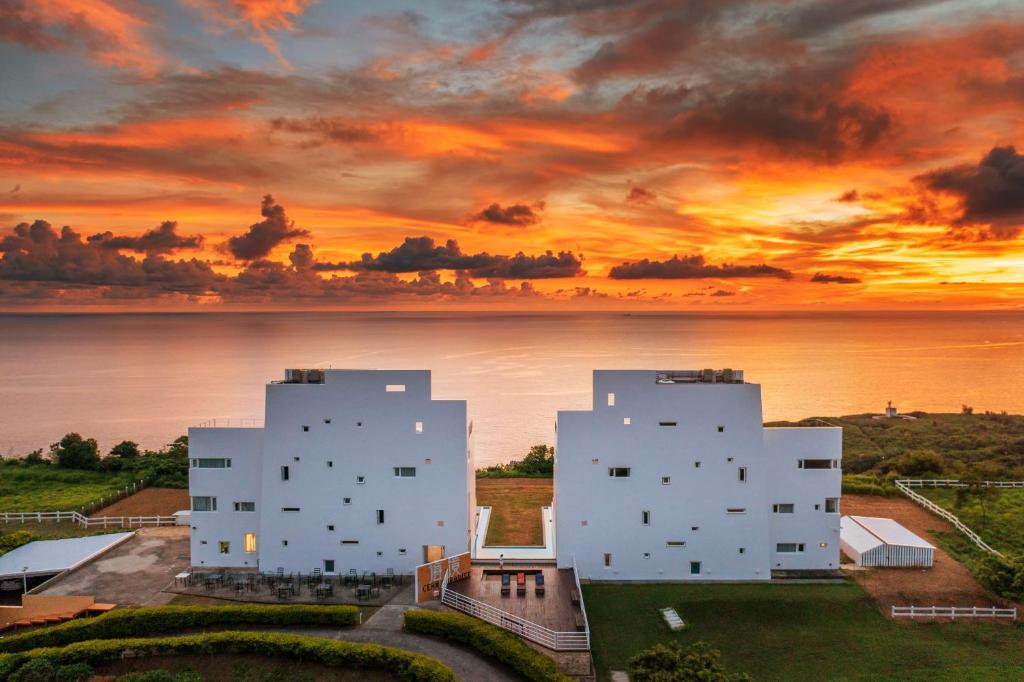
(487, 640)
(15, 540)
(75, 452)
(44, 670)
(1002, 575)
(539, 462)
(917, 463)
(672, 663)
(335, 654)
(169, 619)
(161, 676)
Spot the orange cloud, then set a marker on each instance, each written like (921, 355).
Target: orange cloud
(261, 16)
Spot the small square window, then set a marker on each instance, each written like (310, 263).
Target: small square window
(440, 524)
(728, 459)
(359, 423)
(647, 555)
(694, 528)
(627, 421)
(583, 523)
(666, 480)
(284, 543)
(305, 428)
(380, 553)
(721, 429)
(696, 465)
(831, 505)
(330, 464)
(595, 461)
(327, 420)
(330, 528)
(225, 547)
(401, 551)
(360, 479)
(328, 565)
(743, 550)
(817, 507)
(823, 545)
(295, 458)
(346, 500)
(428, 461)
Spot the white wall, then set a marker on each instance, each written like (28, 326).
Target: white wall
(239, 483)
(596, 513)
(371, 431)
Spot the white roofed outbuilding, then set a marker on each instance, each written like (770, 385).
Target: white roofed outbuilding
(874, 541)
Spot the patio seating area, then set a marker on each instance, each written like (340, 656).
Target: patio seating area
(352, 587)
(542, 594)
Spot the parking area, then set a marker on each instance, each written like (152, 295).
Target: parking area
(133, 574)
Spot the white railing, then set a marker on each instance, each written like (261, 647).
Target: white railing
(552, 639)
(954, 483)
(904, 487)
(88, 521)
(583, 607)
(952, 612)
(231, 423)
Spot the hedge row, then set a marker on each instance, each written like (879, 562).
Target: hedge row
(171, 619)
(348, 655)
(487, 640)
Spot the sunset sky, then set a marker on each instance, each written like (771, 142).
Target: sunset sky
(530, 154)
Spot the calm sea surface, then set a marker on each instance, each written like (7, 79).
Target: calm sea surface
(148, 377)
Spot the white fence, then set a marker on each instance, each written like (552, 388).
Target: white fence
(905, 488)
(88, 521)
(952, 612)
(954, 483)
(552, 639)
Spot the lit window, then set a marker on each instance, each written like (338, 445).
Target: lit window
(627, 421)
(250, 543)
(225, 547)
(395, 388)
(419, 427)
(611, 400)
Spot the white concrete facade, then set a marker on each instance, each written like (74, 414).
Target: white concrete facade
(672, 476)
(353, 469)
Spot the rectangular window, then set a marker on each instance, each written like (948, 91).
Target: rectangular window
(289, 509)
(666, 480)
(696, 465)
(607, 559)
(250, 543)
(350, 542)
(831, 505)
(284, 543)
(285, 474)
(645, 517)
(784, 508)
(694, 568)
(618, 472)
(380, 516)
(204, 504)
(395, 388)
(675, 543)
(742, 550)
(742, 474)
(668, 424)
(401, 551)
(245, 506)
(212, 463)
(225, 547)
(419, 427)
(330, 464)
(736, 510)
(328, 565)
(789, 547)
(817, 464)
(611, 400)
(405, 472)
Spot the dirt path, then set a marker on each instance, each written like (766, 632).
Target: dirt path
(946, 583)
(148, 502)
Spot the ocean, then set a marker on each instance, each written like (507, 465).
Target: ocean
(147, 377)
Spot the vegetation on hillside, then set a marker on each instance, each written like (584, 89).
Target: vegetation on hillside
(673, 663)
(539, 462)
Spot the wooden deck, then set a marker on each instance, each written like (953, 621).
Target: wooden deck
(553, 610)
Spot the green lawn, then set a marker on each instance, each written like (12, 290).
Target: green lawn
(47, 488)
(798, 632)
(997, 516)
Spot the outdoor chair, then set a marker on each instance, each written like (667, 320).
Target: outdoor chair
(520, 584)
(506, 584)
(538, 584)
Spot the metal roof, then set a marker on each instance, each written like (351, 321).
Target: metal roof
(48, 557)
(887, 531)
(856, 536)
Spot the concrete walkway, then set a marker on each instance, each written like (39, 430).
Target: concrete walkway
(385, 627)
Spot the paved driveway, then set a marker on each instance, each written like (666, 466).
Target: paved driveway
(134, 573)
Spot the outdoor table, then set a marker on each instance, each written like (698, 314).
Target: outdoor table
(324, 590)
(183, 578)
(284, 592)
(363, 591)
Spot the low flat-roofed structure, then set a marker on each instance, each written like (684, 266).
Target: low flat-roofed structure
(874, 541)
(50, 557)
(45, 610)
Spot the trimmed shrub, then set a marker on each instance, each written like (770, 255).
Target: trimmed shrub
(334, 654)
(160, 676)
(43, 670)
(488, 640)
(672, 663)
(173, 619)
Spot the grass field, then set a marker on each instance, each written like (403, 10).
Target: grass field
(997, 516)
(42, 488)
(515, 508)
(798, 632)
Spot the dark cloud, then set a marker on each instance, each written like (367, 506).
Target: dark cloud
(991, 192)
(794, 120)
(421, 254)
(807, 20)
(639, 195)
(692, 267)
(38, 253)
(519, 215)
(263, 236)
(822, 278)
(162, 239)
(321, 128)
(851, 196)
(17, 25)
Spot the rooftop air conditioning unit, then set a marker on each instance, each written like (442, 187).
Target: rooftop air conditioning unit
(707, 376)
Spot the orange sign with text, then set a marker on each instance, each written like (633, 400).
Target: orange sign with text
(430, 575)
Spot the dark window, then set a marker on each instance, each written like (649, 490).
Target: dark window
(721, 429)
(742, 473)
(284, 473)
(330, 528)
(380, 516)
(305, 428)
(618, 472)
(694, 568)
(817, 464)
(328, 565)
(784, 508)
(831, 505)
(607, 559)
(330, 464)
(645, 518)
(668, 423)
(289, 509)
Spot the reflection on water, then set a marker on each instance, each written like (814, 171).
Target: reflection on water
(147, 377)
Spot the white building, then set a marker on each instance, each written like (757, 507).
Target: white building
(873, 541)
(353, 469)
(672, 476)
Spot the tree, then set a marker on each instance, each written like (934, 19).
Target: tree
(126, 449)
(673, 663)
(539, 460)
(178, 447)
(919, 462)
(75, 452)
